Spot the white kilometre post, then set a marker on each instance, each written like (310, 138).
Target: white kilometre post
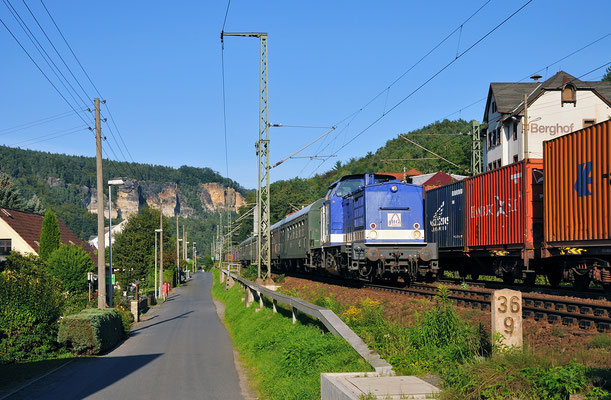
(507, 318)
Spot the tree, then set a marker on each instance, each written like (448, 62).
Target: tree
(34, 205)
(50, 238)
(10, 196)
(134, 248)
(607, 75)
(70, 265)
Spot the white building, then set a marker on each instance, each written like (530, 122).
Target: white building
(560, 105)
(116, 229)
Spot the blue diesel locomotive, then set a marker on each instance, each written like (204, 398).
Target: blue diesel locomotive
(367, 226)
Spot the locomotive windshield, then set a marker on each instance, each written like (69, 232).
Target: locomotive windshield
(347, 187)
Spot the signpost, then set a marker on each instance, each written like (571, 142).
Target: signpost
(507, 318)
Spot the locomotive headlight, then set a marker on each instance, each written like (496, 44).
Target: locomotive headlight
(416, 226)
(416, 234)
(373, 235)
(372, 225)
(393, 188)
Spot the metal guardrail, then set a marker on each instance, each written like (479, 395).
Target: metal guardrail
(329, 319)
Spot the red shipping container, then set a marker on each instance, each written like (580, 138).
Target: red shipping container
(504, 208)
(578, 187)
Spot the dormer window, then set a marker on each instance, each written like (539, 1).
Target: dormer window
(569, 94)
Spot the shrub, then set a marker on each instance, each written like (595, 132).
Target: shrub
(30, 304)
(91, 331)
(70, 265)
(250, 272)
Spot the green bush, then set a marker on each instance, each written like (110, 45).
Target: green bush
(251, 272)
(70, 265)
(30, 304)
(127, 319)
(91, 331)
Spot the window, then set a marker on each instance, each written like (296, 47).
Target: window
(569, 94)
(588, 122)
(5, 247)
(515, 158)
(490, 135)
(493, 106)
(489, 166)
(515, 131)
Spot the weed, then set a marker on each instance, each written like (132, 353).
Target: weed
(601, 341)
(250, 273)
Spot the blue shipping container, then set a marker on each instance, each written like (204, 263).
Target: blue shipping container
(445, 215)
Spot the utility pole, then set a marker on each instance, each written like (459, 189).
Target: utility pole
(525, 126)
(476, 149)
(100, 196)
(177, 251)
(262, 147)
(160, 244)
(184, 243)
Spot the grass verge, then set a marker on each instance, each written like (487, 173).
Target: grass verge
(284, 360)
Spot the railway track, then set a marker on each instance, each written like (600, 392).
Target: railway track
(554, 310)
(544, 307)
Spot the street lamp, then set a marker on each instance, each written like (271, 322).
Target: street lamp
(194, 258)
(160, 277)
(111, 183)
(178, 260)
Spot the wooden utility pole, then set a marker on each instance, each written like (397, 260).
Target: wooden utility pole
(177, 250)
(100, 189)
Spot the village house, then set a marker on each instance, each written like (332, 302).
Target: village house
(555, 107)
(20, 231)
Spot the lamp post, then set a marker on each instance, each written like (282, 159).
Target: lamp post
(160, 278)
(115, 182)
(194, 257)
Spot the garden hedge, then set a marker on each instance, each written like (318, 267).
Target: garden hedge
(91, 331)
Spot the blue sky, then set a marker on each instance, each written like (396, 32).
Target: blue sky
(158, 64)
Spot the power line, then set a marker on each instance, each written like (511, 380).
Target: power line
(53, 135)
(56, 51)
(139, 172)
(28, 125)
(40, 48)
(42, 72)
(417, 62)
(435, 75)
(226, 13)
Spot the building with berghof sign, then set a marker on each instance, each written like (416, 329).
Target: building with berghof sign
(555, 107)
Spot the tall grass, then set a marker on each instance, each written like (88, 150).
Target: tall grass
(284, 360)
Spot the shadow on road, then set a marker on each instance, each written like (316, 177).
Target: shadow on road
(84, 377)
(183, 315)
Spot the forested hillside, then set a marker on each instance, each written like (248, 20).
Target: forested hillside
(66, 184)
(440, 137)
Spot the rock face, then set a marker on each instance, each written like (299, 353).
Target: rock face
(130, 197)
(215, 196)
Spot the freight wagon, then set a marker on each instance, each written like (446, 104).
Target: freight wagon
(577, 242)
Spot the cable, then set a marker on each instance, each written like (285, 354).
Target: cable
(435, 75)
(56, 51)
(48, 134)
(40, 48)
(226, 13)
(42, 72)
(417, 62)
(29, 142)
(98, 92)
(37, 122)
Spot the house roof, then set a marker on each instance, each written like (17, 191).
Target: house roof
(509, 96)
(29, 225)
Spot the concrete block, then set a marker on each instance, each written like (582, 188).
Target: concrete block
(507, 317)
(357, 385)
(134, 310)
(249, 297)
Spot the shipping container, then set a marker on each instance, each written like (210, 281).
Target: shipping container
(504, 210)
(578, 188)
(445, 216)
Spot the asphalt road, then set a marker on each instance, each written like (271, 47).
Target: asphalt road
(181, 351)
